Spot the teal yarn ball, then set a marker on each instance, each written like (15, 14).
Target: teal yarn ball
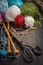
(18, 3)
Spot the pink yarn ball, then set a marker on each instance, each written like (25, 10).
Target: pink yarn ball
(0, 17)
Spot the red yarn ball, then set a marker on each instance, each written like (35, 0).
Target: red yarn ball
(19, 21)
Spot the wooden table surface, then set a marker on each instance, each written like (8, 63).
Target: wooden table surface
(33, 38)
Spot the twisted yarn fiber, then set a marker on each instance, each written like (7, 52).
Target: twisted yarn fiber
(3, 6)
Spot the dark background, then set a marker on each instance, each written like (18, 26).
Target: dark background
(33, 38)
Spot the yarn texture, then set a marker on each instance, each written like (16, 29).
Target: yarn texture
(18, 3)
(30, 9)
(3, 6)
(12, 12)
(29, 21)
(19, 21)
(0, 18)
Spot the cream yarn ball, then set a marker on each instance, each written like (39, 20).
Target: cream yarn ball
(29, 21)
(12, 12)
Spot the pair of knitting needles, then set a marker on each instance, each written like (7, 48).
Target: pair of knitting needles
(10, 41)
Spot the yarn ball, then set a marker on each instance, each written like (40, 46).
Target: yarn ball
(0, 17)
(30, 9)
(3, 6)
(29, 21)
(19, 3)
(19, 21)
(12, 12)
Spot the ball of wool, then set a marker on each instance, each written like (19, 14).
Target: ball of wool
(3, 6)
(19, 3)
(19, 21)
(30, 9)
(0, 18)
(29, 21)
(12, 12)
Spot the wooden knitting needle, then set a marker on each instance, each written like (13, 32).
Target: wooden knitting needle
(8, 47)
(12, 43)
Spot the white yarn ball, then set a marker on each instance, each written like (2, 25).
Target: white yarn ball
(12, 12)
(29, 21)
